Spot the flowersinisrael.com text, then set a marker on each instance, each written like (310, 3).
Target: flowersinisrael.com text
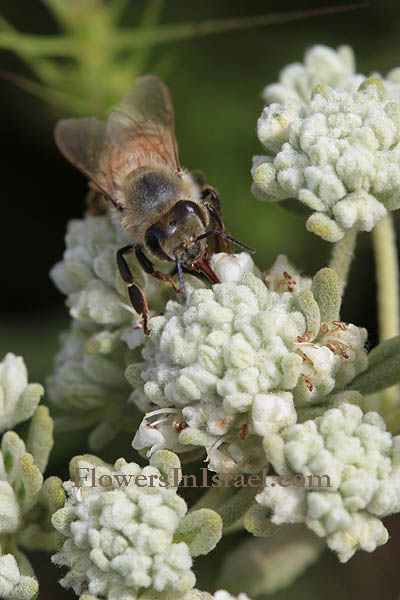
(90, 479)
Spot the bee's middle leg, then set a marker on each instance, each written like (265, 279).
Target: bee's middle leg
(136, 295)
(148, 266)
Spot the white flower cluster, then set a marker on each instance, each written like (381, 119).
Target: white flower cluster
(88, 383)
(332, 142)
(358, 463)
(322, 64)
(18, 399)
(120, 538)
(24, 501)
(339, 155)
(13, 584)
(88, 275)
(89, 387)
(235, 360)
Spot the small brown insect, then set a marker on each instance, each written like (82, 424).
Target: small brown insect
(133, 161)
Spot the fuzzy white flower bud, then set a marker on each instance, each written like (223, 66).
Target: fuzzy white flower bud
(272, 412)
(223, 595)
(232, 267)
(219, 595)
(322, 64)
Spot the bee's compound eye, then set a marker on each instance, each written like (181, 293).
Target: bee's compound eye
(154, 237)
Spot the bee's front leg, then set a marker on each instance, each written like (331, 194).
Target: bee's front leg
(136, 295)
(213, 206)
(148, 266)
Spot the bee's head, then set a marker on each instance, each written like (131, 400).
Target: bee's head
(175, 235)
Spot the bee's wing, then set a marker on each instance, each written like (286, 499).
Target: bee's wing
(140, 131)
(82, 142)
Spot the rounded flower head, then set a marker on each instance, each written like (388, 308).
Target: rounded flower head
(18, 399)
(228, 367)
(322, 64)
(119, 535)
(351, 464)
(88, 384)
(89, 276)
(339, 155)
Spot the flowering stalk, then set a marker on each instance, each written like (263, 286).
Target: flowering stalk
(342, 256)
(387, 277)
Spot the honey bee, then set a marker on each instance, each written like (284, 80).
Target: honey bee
(132, 160)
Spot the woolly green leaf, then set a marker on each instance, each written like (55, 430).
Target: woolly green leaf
(201, 530)
(322, 225)
(264, 566)
(34, 538)
(169, 465)
(385, 350)
(89, 458)
(327, 292)
(9, 509)
(306, 413)
(72, 423)
(39, 534)
(191, 456)
(274, 448)
(132, 374)
(103, 342)
(102, 434)
(233, 508)
(62, 519)
(23, 562)
(52, 494)
(32, 481)
(40, 437)
(383, 368)
(257, 521)
(12, 448)
(309, 307)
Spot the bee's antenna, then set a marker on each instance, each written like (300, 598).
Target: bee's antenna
(181, 280)
(226, 236)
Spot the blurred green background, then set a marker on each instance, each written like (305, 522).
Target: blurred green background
(215, 82)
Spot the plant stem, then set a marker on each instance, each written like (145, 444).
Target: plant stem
(53, 45)
(342, 256)
(212, 497)
(238, 526)
(387, 278)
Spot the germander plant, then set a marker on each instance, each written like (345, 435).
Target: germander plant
(258, 378)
